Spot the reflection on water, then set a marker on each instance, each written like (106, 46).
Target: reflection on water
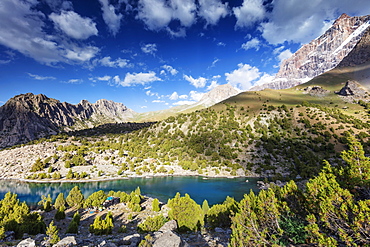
(214, 190)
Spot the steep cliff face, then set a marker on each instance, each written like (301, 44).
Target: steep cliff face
(27, 117)
(321, 54)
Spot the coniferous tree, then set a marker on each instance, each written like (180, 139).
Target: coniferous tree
(75, 198)
(60, 201)
(52, 232)
(188, 214)
(155, 205)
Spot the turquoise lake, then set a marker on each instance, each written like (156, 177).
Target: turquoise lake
(214, 190)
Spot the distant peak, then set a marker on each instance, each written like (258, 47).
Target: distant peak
(341, 17)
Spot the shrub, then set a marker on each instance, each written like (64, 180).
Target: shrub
(188, 214)
(52, 232)
(155, 205)
(152, 224)
(72, 227)
(96, 199)
(60, 214)
(102, 226)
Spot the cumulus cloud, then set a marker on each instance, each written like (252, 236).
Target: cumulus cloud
(157, 14)
(110, 17)
(38, 77)
(243, 77)
(136, 79)
(212, 11)
(170, 69)
(302, 21)
(284, 55)
(118, 63)
(249, 13)
(265, 78)
(214, 82)
(200, 82)
(74, 25)
(23, 29)
(194, 95)
(252, 44)
(149, 48)
(158, 101)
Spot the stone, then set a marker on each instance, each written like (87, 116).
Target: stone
(169, 226)
(132, 240)
(106, 244)
(66, 242)
(170, 239)
(219, 230)
(28, 242)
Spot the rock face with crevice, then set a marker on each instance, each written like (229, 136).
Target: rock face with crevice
(27, 117)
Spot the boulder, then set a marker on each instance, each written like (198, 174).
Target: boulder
(169, 226)
(106, 244)
(66, 242)
(170, 239)
(132, 240)
(29, 242)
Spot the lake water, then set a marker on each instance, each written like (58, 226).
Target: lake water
(214, 190)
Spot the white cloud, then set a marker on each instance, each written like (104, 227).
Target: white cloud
(284, 55)
(214, 82)
(221, 44)
(198, 83)
(265, 78)
(74, 25)
(73, 81)
(212, 11)
(136, 79)
(214, 63)
(174, 96)
(194, 95)
(149, 48)
(301, 21)
(158, 101)
(170, 69)
(243, 77)
(155, 13)
(118, 63)
(249, 13)
(38, 77)
(110, 17)
(104, 78)
(252, 44)
(185, 102)
(23, 29)
(184, 11)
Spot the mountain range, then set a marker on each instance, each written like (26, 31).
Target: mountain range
(344, 47)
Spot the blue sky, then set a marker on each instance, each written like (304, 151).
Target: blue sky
(152, 54)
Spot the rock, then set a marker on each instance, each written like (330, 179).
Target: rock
(352, 89)
(29, 242)
(9, 236)
(169, 239)
(132, 240)
(219, 230)
(169, 226)
(315, 91)
(66, 242)
(106, 244)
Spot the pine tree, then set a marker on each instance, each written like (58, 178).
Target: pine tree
(205, 207)
(155, 205)
(75, 198)
(188, 214)
(60, 201)
(52, 232)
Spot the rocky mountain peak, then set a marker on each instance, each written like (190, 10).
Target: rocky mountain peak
(321, 54)
(27, 117)
(217, 95)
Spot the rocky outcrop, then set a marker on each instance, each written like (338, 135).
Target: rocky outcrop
(360, 54)
(321, 54)
(352, 89)
(316, 91)
(27, 117)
